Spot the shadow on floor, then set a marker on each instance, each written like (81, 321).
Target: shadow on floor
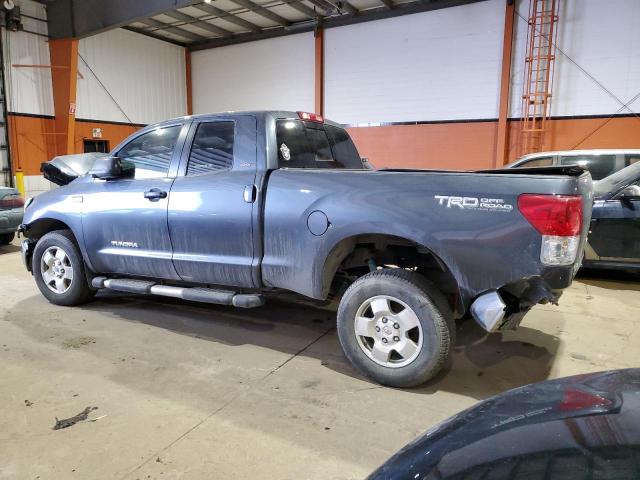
(480, 365)
(11, 248)
(610, 279)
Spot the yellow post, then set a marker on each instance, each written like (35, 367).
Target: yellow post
(20, 181)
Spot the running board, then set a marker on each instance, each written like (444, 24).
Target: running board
(194, 294)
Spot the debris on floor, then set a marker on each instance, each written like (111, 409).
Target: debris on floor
(68, 422)
(28, 403)
(78, 342)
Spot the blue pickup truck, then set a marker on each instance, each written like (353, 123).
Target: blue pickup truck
(228, 208)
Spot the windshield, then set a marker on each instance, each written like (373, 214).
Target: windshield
(616, 181)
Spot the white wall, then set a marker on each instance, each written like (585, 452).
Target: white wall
(274, 74)
(29, 89)
(603, 37)
(438, 65)
(145, 76)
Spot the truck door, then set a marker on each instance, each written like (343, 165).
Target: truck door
(615, 229)
(212, 201)
(124, 220)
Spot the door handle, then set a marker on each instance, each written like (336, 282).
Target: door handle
(155, 194)
(250, 193)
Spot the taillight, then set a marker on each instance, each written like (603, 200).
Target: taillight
(559, 219)
(11, 201)
(312, 117)
(552, 214)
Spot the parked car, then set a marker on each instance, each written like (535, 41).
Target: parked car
(580, 427)
(601, 163)
(614, 237)
(226, 208)
(11, 209)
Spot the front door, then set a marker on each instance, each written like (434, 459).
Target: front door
(125, 220)
(212, 201)
(615, 229)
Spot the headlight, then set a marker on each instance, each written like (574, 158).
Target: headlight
(28, 202)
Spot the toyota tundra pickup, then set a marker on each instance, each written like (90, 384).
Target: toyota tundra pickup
(228, 208)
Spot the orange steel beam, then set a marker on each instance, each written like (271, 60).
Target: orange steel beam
(64, 53)
(319, 70)
(502, 144)
(189, 85)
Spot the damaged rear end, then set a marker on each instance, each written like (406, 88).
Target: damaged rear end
(562, 222)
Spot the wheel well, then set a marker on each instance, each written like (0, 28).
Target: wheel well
(356, 256)
(43, 226)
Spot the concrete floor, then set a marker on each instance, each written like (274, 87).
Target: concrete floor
(196, 391)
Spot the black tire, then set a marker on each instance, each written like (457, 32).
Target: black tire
(6, 238)
(429, 306)
(77, 291)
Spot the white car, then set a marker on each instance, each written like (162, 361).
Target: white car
(601, 162)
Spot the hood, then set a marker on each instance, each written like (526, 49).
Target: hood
(582, 419)
(64, 169)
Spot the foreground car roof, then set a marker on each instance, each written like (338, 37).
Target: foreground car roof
(584, 421)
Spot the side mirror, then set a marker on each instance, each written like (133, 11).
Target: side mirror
(110, 168)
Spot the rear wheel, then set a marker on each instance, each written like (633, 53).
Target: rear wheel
(395, 327)
(58, 269)
(6, 238)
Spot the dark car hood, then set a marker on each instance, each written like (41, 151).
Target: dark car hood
(581, 419)
(66, 168)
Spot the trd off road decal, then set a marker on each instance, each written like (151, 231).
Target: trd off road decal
(473, 203)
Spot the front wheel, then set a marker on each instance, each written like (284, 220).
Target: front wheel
(58, 269)
(395, 327)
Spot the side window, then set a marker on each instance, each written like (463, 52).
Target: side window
(630, 159)
(151, 152)
(599, 166)
(212, 149)
(537, 162)
(314, 145)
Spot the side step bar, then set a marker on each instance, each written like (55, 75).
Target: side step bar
(195, 294)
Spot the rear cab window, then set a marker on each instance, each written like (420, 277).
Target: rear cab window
(308, 144)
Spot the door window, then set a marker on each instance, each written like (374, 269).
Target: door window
(212, 149)
(151, 152)
(631, 159)
(599, 166)
(537, 162)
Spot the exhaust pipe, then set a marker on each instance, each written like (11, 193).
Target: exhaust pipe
(489, 311)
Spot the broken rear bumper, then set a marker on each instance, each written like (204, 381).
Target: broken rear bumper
(503, 309)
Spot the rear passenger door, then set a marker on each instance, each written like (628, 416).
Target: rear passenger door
(211, 203)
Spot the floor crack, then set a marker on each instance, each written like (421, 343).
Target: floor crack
(226, 404)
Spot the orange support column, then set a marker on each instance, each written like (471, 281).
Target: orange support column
(319, 54)
(64, 53)
(502, 147)
(187, 78)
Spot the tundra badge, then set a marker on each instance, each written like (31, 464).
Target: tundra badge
(119, 243)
